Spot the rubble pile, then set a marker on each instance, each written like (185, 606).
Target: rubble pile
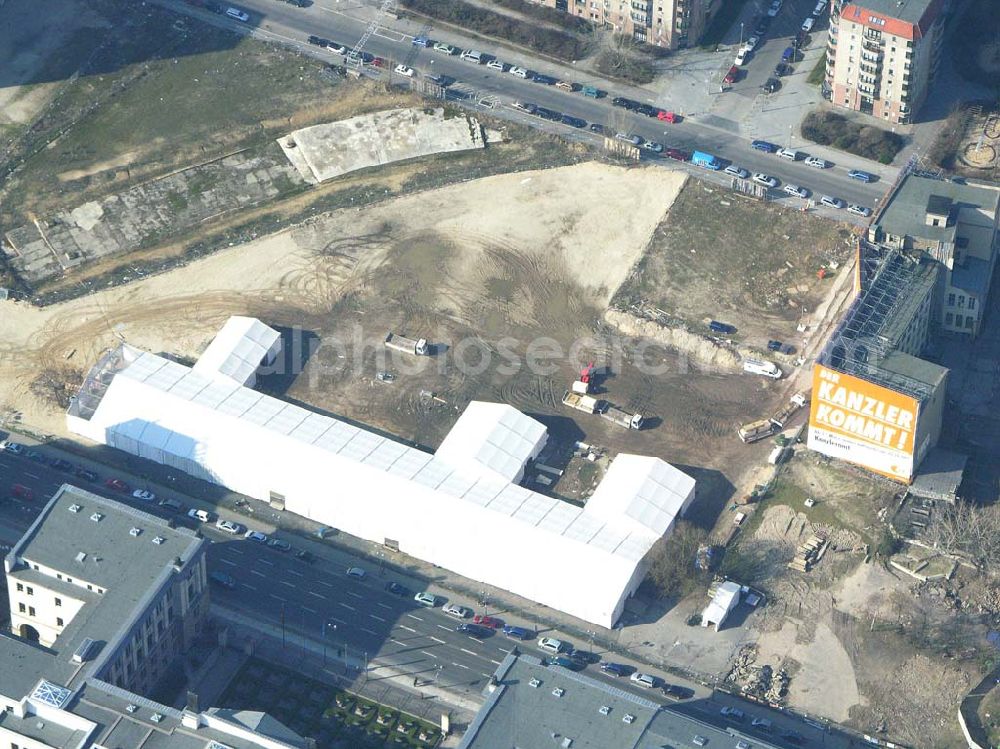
(759, 682)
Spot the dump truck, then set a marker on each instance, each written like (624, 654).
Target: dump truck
(415, 346)
(756, 430)
(796, 402)
(622, 418)
(580, 402)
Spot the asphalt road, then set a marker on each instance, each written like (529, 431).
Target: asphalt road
(474, 83)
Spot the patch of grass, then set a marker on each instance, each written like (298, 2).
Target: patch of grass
(832, 129)
(721, 22)
(818, 73)
(176, 201)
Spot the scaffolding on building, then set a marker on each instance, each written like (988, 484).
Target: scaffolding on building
(860, 343)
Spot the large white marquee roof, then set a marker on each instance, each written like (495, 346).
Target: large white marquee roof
(238, 349)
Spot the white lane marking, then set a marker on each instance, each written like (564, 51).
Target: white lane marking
(482, 674)
(258, 574)
(446, 629)
(383, 605)
(376, 618)
(335, 619)
(392, 639)
(264, 561)
(311, 611)
(297, 574)
(329, 585)
(248, 587)
(496, 663)
(430, 654)
(227, 561)
(415, 617)
(468, 651)
(369, 631)
(32, 475)
(285, 582)
(408, 629)
(353, 595)
(461, 665)
(283, 600)
(314, 593)
(436, 639)
(349, 608)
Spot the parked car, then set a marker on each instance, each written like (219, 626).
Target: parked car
(524, 106)
(398, 590)
(816, 161)
(796, 191)
(763, 145)
(317, 41)
(765, 179)
(474, 630)
(496, 64)
(86, 475)
(144, 494)
(597, 128)
(473, 56)
(278, 544)
(426, 599)
(733, 75)
(861, 175)
(736, 171)
(742, 56)
(788, 55)
(252, 535)
(782, 69)
(566, 85)
(808, 24)
(616, 670)
(721, 327)
(446, 48)
(576, 122)
(832, 202)
(788, 153)
(61, 465)
(441, 80)
(22, 492)
(487, 621)
(203, 516)
(305, 556)
(676, 692)
(859, 210)
(778, 346)
(355, 572)
(652, 145)
(664, 115)
(518, 72)
(116, 485)
(646, 109)
(677, 154)
(761, 724)
(775, 8)
(405, 70)
(567, 662)
(223, 579)
(14, 448)
(453, 609)
(763, 24)
(732, 713)
(629, 104)
(635, 140)
(36, 456)
(517, 633)
(820, 7)
(771, 85)
(421, 41)
(239, 15)
(643, 680)
(545, 80)
(552, 645)
(228, 526)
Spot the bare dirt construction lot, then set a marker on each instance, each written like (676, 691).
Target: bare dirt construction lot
(724, 257)
(860, 646)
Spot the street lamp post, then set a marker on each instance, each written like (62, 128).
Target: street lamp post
(741, 33)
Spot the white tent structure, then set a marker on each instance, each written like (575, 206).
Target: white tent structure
(459, 509)
(243, 344)
(726, 598)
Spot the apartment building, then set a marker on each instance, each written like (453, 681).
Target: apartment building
(102, 598)
(955, 225)
(673, 24)
(882, 55)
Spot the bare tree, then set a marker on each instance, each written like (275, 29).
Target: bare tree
(672, 569)
(971, 531)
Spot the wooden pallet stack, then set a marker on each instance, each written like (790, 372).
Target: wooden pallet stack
(808, 553)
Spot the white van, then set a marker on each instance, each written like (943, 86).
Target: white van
(766, 368)
(239, 15)
(471, 55)
(790, 153)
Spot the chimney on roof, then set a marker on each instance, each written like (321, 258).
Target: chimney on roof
(938, 211)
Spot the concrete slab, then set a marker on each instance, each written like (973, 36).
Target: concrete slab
(322, 152)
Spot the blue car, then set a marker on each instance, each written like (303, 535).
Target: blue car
(517, 633)
(763, 145)
(421, 41)
(616, 669)
(861, 176)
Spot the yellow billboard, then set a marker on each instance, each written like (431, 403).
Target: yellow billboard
(867, 424)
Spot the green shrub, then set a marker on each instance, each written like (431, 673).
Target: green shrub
(832, 129)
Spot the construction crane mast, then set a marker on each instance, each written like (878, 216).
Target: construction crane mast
(354, 56)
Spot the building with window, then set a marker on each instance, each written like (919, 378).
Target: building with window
(882, 55)
(673, 24)
(103, 597)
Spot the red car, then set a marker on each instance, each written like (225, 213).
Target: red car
(733, 75)
(22, 492)
(378, 62)
(677, 154)
(665, 116)
(487, 621)
(117, 485)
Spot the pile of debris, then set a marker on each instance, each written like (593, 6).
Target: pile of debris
(758, 682)
(809, 553)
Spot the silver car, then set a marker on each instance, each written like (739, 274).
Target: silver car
(736, 171)
(765, 179)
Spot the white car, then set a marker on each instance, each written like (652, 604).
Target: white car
(238, 14)
(751, 43)
(788, 153)
(817, 162)
(820, 7)
(496, 64)
(518, 72)
(742, 55)
(859, 210)
(404, 70)
(355, 572)
(798, 192)
(551, 645)
(832, 202)
(736, 171)
(643, 680)
(336, 48)
(228, 526)
(200, 515)
(523, 106)
(765, 179)
(460, 612)
(775, 8)
(808, 24)
(144, 494)
(426, 599)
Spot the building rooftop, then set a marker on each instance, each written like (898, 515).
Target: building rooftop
(973, 274)
(907, 18)
(238, 349)
(47, 732)
(904, 214)
(940, 475)
(912, 368)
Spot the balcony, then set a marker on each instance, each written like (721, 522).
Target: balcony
(872, 45)
(866, 88)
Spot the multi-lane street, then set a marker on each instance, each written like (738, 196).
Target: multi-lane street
(479, 86)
